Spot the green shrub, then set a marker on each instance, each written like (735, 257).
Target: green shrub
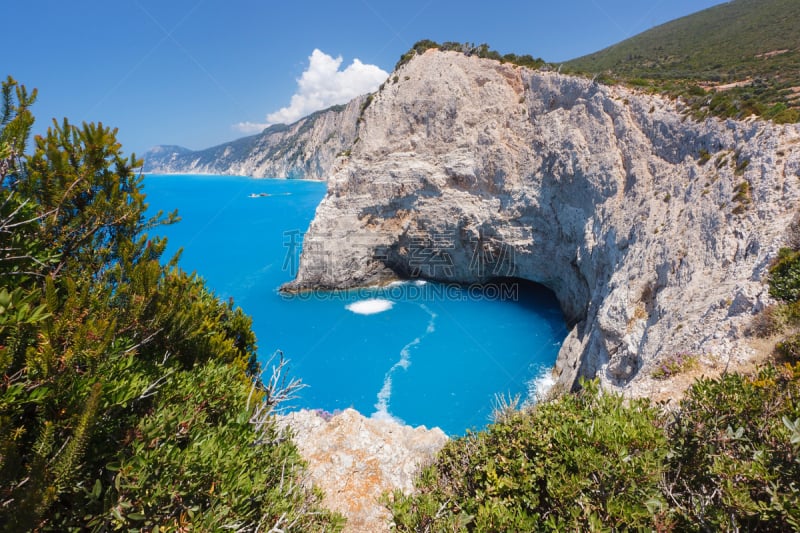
(784, 282)
(725, 460)
(192, 460)
(364, 105)
(675, 364)
(576, 463)
(741, 165)
(771, 321)
(419, 48)
(742, 197)
(732, 465)
(789, 349)
(787, 116)
(128, 387)
(696, 90)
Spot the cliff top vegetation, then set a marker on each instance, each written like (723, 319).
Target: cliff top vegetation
(731, 60)
(470, 49)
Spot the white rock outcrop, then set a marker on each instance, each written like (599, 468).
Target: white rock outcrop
(306, 149)
(654, 231)
(355, 459)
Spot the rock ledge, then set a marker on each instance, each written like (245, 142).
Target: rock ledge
(355, 459)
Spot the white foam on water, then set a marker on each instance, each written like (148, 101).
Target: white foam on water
(382, 407)
(432, 322)
(539, 386)
(383, 415)
(385, 394)
(405, 355)
(371, 306)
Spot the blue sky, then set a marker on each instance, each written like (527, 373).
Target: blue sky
(197, 72)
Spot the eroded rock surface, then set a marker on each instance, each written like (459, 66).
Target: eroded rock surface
(654, 231)
(355, 459)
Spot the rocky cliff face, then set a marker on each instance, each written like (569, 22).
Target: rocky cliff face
(306, 149)
(654, 231)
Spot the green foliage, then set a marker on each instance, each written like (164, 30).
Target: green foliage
(742, 194)
(419, 48)
(364, 105)
(129, 390)
(726, 460)
(16, 120)
(784, 283)
(772, 320)
(20, 251)
(754, 45)
(470, 49)
(191, 460)
(573, 464)
(674, 364)
(739, 168)
(789, 349)
(732, 465)
(90, 198)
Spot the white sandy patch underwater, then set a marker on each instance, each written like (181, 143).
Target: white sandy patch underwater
(372, 306)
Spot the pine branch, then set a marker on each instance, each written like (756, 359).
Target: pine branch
(66, 468)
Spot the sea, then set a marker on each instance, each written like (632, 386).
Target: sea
(419, 352)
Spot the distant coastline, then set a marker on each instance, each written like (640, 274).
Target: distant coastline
(217, 175)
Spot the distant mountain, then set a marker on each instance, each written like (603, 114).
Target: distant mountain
(170, 149)
(747, 52)
(306, 149)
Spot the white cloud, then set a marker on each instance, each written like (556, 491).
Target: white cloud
(323, 85)
(250, 127)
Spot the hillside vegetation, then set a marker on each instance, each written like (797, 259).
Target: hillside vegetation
(755, 43)
(130, 396)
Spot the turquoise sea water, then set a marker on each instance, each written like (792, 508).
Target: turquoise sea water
(422, 353)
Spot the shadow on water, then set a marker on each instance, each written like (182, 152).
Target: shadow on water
(529, 295)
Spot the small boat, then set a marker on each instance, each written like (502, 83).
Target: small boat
(259, 195)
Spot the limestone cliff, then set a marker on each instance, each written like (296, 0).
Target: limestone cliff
(654, 231)
(306, 149)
